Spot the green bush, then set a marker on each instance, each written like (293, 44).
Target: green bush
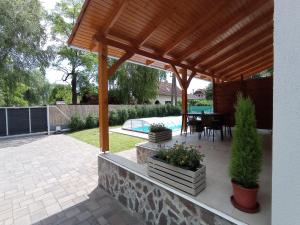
(201, 102)
(113, 118)
(91, 121)
(76, 123)
(157, 127)
(132, 113)
(182, 156)
(139, 112)
(246, 149)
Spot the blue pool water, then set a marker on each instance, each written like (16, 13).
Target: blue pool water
(146, 128)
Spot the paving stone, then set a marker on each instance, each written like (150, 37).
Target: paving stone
(52, 180)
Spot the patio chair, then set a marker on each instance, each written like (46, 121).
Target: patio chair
(199, 128)
(212, 124)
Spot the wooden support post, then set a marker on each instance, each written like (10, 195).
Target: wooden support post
(214, 94)
(184, 100)
(103, 97)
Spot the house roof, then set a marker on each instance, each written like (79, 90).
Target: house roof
(220, 39)
(165, 88)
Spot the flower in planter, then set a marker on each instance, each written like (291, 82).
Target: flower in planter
(157, 127)
(182, 156)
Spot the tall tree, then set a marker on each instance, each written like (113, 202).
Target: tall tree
(72, 62)
(135, 83)
(209, 92)
(22, 48)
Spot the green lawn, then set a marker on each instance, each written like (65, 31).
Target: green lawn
(117, 142)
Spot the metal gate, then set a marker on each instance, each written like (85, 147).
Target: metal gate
(23, 120)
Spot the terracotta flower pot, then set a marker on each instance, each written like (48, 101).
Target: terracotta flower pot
(244, 199)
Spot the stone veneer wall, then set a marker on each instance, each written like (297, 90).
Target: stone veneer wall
(143, 153)
(155, 204)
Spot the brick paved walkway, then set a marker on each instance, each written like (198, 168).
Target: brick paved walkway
(51, 180)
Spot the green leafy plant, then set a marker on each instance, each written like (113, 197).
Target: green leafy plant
(76, 123)
(246, 149)
(180, 155)
(157, 127)
(91, 121)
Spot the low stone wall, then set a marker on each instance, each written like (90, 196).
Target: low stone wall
(155, 204)
(143, 153)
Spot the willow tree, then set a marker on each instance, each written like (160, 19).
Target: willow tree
(73, 63)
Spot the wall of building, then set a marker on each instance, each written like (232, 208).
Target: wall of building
(286, 114)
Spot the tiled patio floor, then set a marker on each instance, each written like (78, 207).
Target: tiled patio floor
(53, 180)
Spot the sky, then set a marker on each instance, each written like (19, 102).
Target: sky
(55, 76)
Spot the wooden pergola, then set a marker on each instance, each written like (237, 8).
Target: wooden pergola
(217, 40)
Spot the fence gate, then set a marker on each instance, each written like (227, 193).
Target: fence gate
(23, 120)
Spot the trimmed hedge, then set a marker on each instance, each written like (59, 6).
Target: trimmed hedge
(118, 117)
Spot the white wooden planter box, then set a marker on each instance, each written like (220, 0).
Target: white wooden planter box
(191, 182)
(157, 137)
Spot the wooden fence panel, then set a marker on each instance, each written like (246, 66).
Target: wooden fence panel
(259, 90)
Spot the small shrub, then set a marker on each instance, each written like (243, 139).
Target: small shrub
(76, 123)
(132, 113)
(113, 118)
(157, 127)
(246, 149)
(139, 112)
(182, 156)
(91, 121)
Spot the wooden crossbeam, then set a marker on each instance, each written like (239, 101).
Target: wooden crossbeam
(246, 60)
(249, 64)
(149, 55)
(251, 70)
(195, 26)
(116, 65)
(263, 40)
(192, 75)
(237, 17)
(149, 62)
(155, 23)
(175, 71)
(256, 70)
(248, 30)
(114, 17)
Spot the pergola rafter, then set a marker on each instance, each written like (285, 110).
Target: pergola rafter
(232, 38)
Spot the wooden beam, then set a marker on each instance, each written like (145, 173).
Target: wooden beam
(254, 63)
(251, 7)
(256, 58)
(149, 62)
(114, 17)
(175, 71)
(251, 71)
(249, 30)
(248, 46)
(149, 55)
(184, 100)
(119, 62)
(103, 97)
(192, 75)
(194, 27)
(242, 58)
(155, 23)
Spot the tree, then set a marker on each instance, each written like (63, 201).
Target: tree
(135, 83)
(209, 92)
(72, 62)
(22, 48)
(60, 92)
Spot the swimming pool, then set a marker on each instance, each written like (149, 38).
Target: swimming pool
(143, 124)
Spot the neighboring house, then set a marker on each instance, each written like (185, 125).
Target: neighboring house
(165, 94)
(200, 93)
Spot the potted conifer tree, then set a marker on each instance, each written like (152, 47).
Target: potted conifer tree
(246, 157)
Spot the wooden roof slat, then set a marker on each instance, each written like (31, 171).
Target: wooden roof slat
(248, 69)
(245, 31)
(231, 65)
(192, 29)
(198, 44)
(253, 71)
(195, 38)
(114, 16)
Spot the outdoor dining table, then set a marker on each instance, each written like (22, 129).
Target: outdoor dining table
(200, 115)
